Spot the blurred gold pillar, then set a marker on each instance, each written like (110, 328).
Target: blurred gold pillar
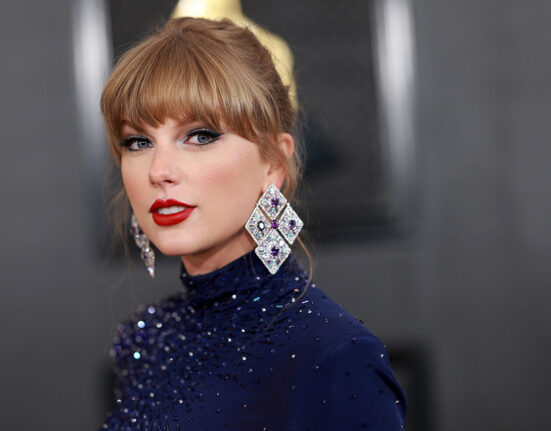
(218, 9)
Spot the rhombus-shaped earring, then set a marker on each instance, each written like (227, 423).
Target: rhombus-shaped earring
(274, 226)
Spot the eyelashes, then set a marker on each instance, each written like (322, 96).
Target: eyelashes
(202, 136)
(199, 137)
(135, 143)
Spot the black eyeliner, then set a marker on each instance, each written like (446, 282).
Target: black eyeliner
(204, 130)
(128, 140)
(213, 136)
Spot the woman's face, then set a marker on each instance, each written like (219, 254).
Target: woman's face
(193, 188)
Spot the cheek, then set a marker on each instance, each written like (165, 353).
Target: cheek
(235, 173)
(131, 179)
(126, 177)
(234, 185)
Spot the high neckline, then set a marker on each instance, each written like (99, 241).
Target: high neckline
(244, 275)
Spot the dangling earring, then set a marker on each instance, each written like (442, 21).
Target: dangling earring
(146, 252)
(269, 231)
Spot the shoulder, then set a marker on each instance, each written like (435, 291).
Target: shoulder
(330, 325)
(344, 371)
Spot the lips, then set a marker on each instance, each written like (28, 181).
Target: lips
(170, 212)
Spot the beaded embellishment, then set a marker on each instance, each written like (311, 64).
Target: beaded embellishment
(272, 234)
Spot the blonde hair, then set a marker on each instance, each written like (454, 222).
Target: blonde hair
(209, 71)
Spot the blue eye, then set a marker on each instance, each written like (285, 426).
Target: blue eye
(136, 143)
(202, 136)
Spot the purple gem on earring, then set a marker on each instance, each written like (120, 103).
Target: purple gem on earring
(292, 224)
(274, 224)
(260, 225)
(275, 202)
(275, 251)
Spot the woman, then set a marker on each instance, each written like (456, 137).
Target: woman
(200, 124)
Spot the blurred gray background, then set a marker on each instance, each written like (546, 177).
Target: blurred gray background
(469, 285)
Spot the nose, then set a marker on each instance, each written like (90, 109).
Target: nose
(163, 170)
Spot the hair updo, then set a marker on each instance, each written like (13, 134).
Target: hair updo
(210, 71)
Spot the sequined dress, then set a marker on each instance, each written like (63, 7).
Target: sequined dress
(241, 349)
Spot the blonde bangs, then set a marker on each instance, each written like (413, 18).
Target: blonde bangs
(186, 78)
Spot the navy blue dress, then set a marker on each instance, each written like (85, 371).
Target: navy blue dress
(241, 349)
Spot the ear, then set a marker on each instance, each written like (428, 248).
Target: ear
(276, 172)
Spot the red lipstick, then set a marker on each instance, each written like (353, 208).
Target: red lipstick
(173, 218)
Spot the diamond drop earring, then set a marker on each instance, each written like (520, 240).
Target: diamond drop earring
(142, 241)
(273, 234)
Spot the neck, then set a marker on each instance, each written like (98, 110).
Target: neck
(220, 255)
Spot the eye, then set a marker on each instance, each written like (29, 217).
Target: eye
(202, 136)
(136, 143)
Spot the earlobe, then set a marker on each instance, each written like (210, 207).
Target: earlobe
(277, 172)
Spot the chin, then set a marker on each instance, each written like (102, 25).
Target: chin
(186, 245)
(177, 249)
(179, 244)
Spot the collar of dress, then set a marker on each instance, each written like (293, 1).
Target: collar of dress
(245, 279)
